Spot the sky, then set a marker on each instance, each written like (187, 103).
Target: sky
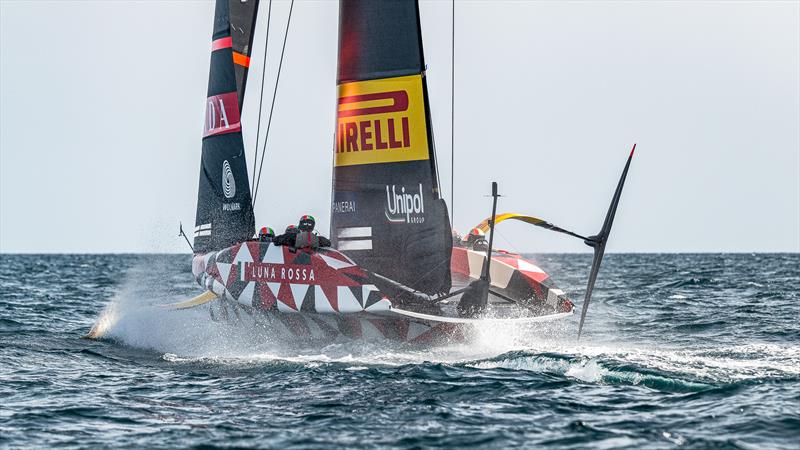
(102, 104)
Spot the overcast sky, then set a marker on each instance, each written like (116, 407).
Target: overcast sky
(102, 105)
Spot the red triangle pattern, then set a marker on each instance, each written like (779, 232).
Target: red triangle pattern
(235, 251)
(254, 248)
(267, 298)
(285, 296)
(233, 276)
(332, 294)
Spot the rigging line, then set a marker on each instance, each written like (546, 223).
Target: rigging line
(452, 116)
(260, 102)
(511, 244)
(272, 107)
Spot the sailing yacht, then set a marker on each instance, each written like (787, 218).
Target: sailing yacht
(393, 271)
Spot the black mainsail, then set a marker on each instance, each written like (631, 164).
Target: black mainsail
(224, 206)
(242, 29)
(387, 213)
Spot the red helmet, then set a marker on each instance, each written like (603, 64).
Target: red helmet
(476, 232)
(266, 231)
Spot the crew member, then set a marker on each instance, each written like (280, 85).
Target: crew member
(474, 235)
(287, 238)
(266, 234)
(480, 245)
(307, 238)
(476, 240)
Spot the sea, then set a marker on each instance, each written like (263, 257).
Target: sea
(678, 351)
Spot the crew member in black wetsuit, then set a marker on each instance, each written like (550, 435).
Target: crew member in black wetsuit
(307, 238)
(476, 240)
(287, 238)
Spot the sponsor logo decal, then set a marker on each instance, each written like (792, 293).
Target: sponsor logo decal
(403, 206)
(381, 121)
(229, 187)
(261, 272)
(222, 114)
(344, 207)
(228, 182)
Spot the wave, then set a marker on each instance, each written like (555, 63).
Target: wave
(190, 337)
(133, 317)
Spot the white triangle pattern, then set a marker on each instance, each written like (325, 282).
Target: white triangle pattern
(321, 303)
(274, 255)
(224, 271)
(243, 255)
(365, 291)
(299, 294)
(381, 305)
(347, 301)
(246, 297)
(500, 273)
(334, 263)
(525, 266)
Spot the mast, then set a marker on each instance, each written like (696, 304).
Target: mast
(387, 212)
(224, 206)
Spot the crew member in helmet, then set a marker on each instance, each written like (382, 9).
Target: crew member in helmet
(474, 235)
(306, 237)
(287, 238)
(476, 240)
(303, 235)
(266, 234)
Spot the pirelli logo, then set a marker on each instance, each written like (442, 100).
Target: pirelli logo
(380, 121)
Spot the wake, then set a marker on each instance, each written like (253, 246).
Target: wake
(134, 318)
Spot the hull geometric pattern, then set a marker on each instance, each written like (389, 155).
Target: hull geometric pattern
(310, 295)
(512, 275)
(269, 277)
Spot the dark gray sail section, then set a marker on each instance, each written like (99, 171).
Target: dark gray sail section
(242, 29)
(387, 212)
(224, 211)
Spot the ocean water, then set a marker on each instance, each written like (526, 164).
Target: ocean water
(694, 351)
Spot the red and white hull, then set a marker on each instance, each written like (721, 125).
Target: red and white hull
(324, 295)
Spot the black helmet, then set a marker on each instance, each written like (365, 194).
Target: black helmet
(306, 223)
(480, 245)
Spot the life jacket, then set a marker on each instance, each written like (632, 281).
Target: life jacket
(306, 239)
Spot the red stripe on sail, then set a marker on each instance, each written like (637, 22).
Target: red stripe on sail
(219, 44)
(222, 114)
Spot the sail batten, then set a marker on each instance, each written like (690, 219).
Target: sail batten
(384, 163)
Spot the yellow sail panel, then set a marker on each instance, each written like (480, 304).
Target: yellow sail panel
(484, 226)
(381, 121)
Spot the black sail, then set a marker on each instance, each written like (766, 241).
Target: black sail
(224, 209)
(242, 29)
(387, 213)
